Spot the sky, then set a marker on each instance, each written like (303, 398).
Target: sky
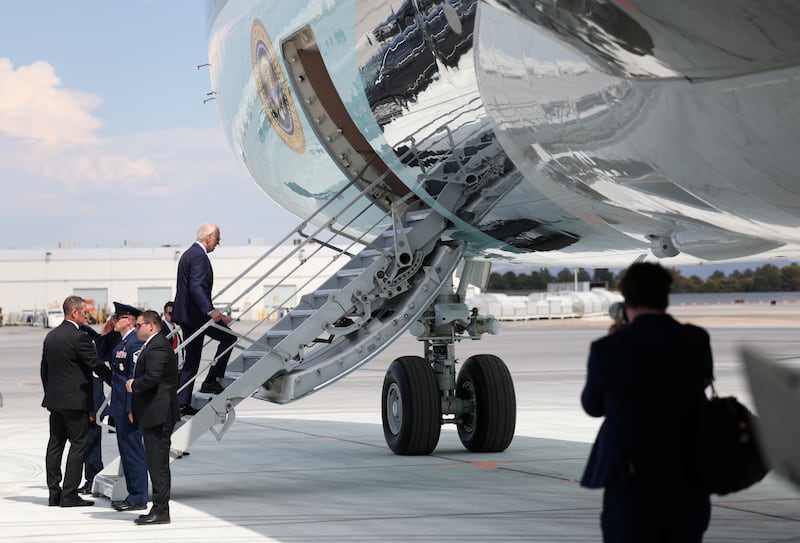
(104, 136)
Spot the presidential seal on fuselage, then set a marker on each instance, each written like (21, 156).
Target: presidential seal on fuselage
(274, 90)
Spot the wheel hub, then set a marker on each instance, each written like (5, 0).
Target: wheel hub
(468, 395)
(394, 409)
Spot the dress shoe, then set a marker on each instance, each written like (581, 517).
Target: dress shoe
(55, 498)
(125, 505)
(153, 518)
(211, 387)
(188, 410)
(85, 489)
(75, 502)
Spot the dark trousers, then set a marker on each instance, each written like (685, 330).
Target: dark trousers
(654, 516)
(66, 425)
(133, 459)
(193, 352)
(157, 441)
(94, 454)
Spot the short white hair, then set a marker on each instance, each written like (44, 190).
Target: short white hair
(206, 230)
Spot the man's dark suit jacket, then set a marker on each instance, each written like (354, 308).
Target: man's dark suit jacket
(193, 290)
(648, 380)
(155, 384)
(68, 360)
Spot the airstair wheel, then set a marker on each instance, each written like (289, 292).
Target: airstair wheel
(411, 410)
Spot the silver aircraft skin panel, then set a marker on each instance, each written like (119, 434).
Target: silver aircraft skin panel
(585, 134)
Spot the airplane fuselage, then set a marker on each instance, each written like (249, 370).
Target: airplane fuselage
(583, 135)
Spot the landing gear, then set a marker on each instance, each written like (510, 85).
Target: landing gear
(485, 382)
(411, 409)
(422, 393)
(484, 406)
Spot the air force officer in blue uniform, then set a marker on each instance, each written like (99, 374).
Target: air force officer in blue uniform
(129, 434)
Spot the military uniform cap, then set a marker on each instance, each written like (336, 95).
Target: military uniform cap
(120, 310)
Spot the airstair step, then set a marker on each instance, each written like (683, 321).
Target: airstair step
(273, 336)
(254, 354)
(371, 253)
(325, 293)
(302, 312)
(231, 376)
(350, 272)
(103, 484)
(245, 360)
(417, 215)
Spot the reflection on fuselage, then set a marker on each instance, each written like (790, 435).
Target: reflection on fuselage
(571, 127)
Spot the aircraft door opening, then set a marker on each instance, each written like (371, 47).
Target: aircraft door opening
(335, 127)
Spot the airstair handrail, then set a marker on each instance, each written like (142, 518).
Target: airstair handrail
(291, 253)
(292, 233)
(354, 242)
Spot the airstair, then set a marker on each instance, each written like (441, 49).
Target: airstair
(373, 298)
(393, 275)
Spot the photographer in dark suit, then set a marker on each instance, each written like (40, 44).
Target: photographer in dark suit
(193, 308)
(155, 409)
(68, 360)
(647, 379)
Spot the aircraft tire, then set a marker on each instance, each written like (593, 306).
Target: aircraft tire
(485, 380)
(411, 408)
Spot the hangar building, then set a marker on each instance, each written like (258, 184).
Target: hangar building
(35, 280)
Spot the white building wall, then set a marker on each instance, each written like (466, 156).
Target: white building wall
(42, 278)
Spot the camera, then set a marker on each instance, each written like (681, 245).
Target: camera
(617, 312)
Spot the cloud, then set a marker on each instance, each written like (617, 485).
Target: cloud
(34, 106)
(63, 180)
(100, 169)
(49, 131)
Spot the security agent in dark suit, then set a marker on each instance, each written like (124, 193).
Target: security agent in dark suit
(648, 380)
(193, 309)
(155, 409)
(68, 360)
(129, 434)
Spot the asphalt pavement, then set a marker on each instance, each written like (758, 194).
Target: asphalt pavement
(319, 469)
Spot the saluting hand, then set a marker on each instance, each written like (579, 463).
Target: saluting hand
(108, 326)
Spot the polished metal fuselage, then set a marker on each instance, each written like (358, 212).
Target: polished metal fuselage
(584, 133)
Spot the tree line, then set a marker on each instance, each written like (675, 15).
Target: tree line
(765, 278)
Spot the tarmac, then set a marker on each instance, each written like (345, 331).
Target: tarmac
(319, 469)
